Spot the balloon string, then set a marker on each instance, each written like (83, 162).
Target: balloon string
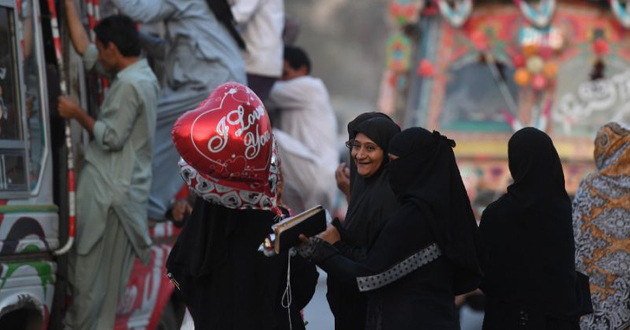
(287, 297)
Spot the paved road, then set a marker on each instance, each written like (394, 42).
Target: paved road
(317, 313)
(319, 317)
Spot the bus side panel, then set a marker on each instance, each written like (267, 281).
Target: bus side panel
(28, 232)
(27, 285)
(148, 290)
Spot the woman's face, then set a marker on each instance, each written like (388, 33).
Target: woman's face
(367, 155)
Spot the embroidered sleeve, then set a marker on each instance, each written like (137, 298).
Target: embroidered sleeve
(316, 250)
(417, 260)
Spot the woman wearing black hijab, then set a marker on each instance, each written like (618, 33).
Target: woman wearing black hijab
(346, 173)
(371, 202)
(530, 277)
(426, 253)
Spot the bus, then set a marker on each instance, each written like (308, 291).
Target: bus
(36, 192)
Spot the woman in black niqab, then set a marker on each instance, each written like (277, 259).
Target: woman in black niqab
(371, 202)
(530, 277)
(426, 252)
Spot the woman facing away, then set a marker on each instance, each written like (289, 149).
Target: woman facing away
(225, 282)
(529, 277)
(601, 221)
(426, 252)
(371, 202)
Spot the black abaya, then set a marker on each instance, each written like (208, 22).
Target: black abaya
(225, 282)
(371, 202)
(411, 274)
(530, 277)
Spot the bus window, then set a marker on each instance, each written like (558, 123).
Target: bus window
(33, 100)
(13, 165)
(10, 128)
(13, 156)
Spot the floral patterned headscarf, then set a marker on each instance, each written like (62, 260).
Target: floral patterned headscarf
(612, 150)
(601, 219)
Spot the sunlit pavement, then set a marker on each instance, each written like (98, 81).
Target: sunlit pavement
(317, 313)
(319, 317)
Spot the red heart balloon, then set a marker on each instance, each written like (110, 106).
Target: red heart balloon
(228, 149)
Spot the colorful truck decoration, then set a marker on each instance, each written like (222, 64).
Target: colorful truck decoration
(560, 66)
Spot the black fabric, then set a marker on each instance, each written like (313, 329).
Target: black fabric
(223, 13)
(426, 175)
(528, 236)
(534, 163)
(371, 202)
(434, 208)
(225, 282)
(261, 85)
(502, 315)
(423, 299)
(351, 134)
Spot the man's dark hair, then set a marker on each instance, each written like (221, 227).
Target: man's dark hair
(120, 30)
(296, 57)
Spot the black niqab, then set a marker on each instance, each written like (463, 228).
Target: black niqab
(425, 175)
(528, 232)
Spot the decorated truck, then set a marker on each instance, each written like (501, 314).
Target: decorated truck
(38, 154)
(479, 70)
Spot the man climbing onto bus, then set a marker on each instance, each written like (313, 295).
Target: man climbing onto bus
(113, 187)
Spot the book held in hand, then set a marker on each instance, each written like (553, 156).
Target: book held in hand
(310, 223)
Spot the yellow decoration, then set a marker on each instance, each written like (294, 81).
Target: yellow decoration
(535, 64)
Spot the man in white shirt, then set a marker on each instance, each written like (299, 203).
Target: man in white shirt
(261, 23)
(306, 115)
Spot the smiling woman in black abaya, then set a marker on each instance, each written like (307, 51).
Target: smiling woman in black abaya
(426, 252)
(371, 202)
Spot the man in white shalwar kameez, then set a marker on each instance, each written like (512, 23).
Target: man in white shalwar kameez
(306, 115)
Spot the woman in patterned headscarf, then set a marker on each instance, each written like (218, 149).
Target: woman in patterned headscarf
(601, 220)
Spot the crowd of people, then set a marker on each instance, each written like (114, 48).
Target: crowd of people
(409, 243)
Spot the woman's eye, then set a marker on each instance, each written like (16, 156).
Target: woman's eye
(370, 148)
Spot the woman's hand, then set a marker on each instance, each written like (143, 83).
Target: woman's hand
(342, 175)
(181, 209)
(330, 235)
(303, 238)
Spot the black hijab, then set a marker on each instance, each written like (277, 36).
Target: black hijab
(537, 172)
(352, 126)
(372, 200)
(426, 180)
(528, 232)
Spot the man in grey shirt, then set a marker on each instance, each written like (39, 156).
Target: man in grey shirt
(114, 184)
(200, 53)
